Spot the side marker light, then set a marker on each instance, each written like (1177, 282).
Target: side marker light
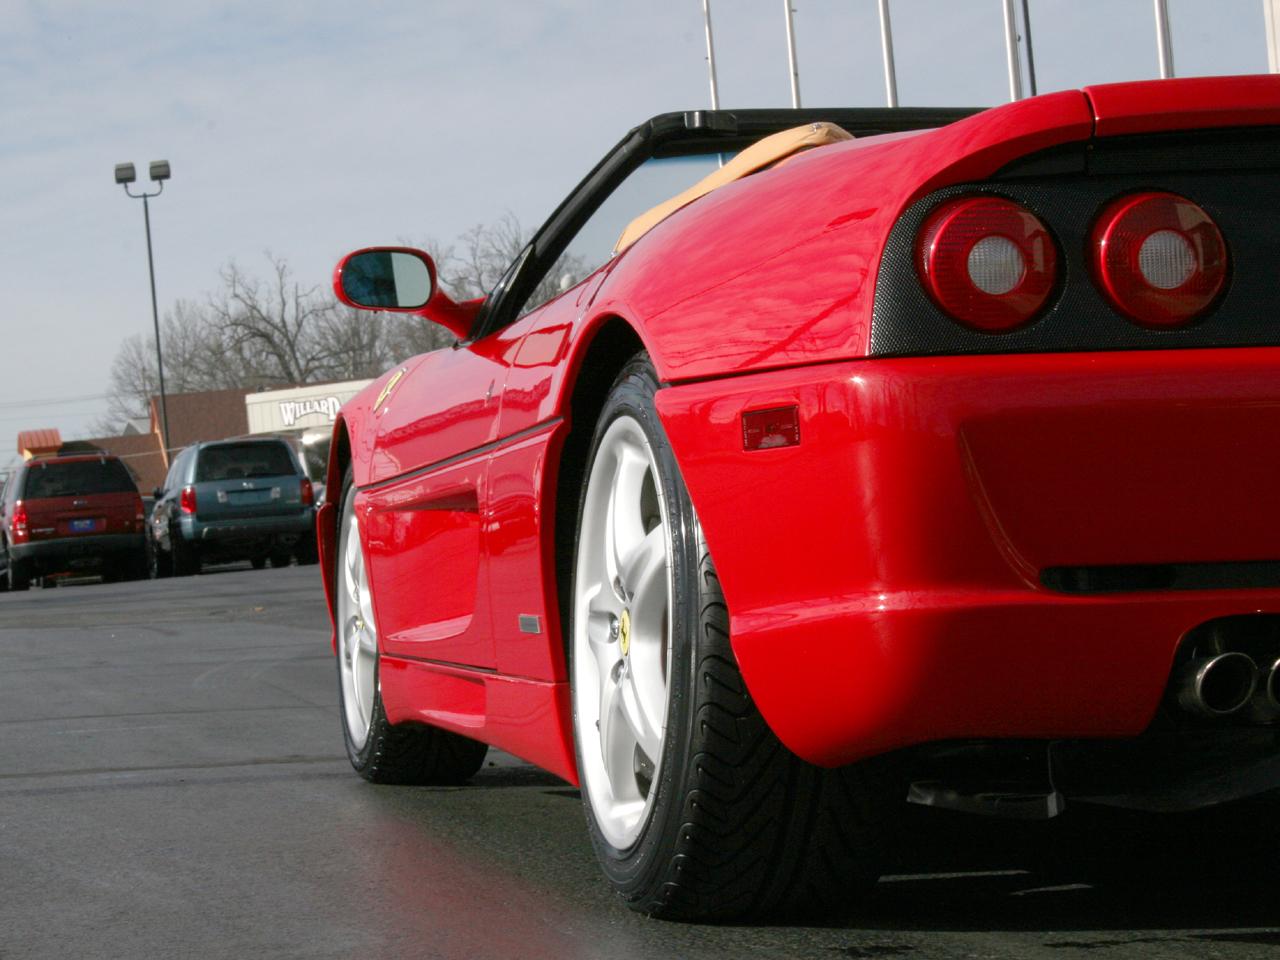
(774, 427)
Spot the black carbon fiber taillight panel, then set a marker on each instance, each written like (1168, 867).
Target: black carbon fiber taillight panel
(1244, 203)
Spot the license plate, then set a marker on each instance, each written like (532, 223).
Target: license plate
(83, 526)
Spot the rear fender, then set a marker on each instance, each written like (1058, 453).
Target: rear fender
(779, 269)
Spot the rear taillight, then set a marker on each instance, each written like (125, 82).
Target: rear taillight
(1158, 258)
(19, 532)
(139, 516)
(308, 494)
(987, 262)
(187, 500)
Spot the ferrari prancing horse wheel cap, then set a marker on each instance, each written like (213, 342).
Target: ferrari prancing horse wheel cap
(624, 631)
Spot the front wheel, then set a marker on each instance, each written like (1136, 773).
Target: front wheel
(695, 809)
(380, 751)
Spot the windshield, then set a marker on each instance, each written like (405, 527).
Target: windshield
(654, 181)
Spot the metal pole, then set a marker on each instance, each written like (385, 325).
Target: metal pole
(791, 54)
(711, 55)
(1011, 51)
(1164, 42)
(1026, 35)
(1271, 16)
(886, 50)
(155, 318)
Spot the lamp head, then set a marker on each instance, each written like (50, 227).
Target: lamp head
(125, 174)
(159, 169)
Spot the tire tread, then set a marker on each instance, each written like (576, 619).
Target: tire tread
(420, 754)
(763, 831)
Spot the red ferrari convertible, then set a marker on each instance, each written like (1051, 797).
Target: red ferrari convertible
(876, 456)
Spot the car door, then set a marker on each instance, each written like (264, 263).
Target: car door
(423, 514)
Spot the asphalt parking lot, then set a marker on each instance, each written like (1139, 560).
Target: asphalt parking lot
(172, 784)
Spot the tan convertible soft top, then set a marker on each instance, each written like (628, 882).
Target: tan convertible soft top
(761, 154)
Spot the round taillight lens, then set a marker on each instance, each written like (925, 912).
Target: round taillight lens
(1159, 258)
(987, 262)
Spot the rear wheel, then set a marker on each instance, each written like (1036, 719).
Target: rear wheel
(138, 567)
(19, 575)
(307, 552)
(258, 563)
(280, 559)
(695, 809)
(185, 559)
(380, 751)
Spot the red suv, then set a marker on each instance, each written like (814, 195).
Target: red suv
(71, 514)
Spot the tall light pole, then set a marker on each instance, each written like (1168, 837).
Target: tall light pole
(1011, 51)
(1164, 42)
(711, 56)
(159, 172)
(791, 54)
(886, 50)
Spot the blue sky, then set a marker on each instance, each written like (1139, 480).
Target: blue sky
(310, 128)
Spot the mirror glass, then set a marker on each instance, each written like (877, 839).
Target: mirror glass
(387, 279)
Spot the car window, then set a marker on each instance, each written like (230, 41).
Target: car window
(45, 480)
(171, 479)
(237, 461)
(654, 181)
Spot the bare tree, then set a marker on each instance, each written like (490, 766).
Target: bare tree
(472, 266)
(278, 321)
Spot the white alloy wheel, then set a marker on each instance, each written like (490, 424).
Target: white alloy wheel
(357, 634)
(622, 631)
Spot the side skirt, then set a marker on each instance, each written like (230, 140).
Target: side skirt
(528, 718)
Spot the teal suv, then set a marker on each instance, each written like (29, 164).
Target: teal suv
(232, 500)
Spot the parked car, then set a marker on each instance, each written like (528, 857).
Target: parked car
(77, 514)
(930, 463)
(229, 500)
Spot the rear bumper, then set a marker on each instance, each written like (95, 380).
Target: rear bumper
(885, 577)
(54, 555)
(221, 532)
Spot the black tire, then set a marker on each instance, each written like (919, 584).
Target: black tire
(138, 567)
(280, 559)
(19, 575)
(47, 582)
(185, 561)
(398, 753)
(736, 824)
(258, 563)
(308, 552)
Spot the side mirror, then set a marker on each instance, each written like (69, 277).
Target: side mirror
(157, 493)
(403, 280)
(387, 278)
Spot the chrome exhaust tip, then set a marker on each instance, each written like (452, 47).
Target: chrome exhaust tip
(1221, 685)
